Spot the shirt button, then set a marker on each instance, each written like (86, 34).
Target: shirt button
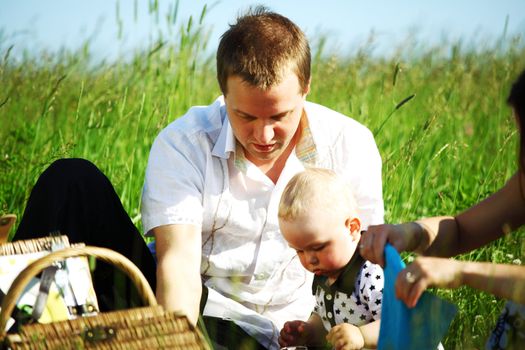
(329, 314)
(328, 296)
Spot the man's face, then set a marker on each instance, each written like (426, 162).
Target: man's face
(265, 121)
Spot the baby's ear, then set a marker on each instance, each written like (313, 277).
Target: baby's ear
(354, 226)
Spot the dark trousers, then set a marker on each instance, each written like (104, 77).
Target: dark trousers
(74, 197)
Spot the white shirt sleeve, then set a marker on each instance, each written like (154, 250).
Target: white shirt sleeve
(174, 180)
(362, 166)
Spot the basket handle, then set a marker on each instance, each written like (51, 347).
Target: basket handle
(37, 266)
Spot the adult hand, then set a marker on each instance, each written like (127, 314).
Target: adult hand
(295, 333)
(345, 336)
(427, 272)
(372, 244)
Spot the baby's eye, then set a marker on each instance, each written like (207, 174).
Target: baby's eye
(318, 248)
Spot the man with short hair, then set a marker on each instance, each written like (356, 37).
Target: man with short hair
(215, 177)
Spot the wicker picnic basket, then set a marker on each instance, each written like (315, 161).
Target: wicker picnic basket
(43, 244)
(44, 300)
(149, 327)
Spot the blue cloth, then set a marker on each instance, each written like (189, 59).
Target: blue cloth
(421, 327)
(153, 250)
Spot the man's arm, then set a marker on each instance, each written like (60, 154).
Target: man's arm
(179, 286)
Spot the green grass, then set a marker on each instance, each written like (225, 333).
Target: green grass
(443, 150)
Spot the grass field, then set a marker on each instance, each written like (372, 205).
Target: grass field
(447, 147)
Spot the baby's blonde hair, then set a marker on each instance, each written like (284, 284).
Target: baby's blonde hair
(316, 188)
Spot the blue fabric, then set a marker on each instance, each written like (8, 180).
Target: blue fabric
(153, 250)
(421, 327)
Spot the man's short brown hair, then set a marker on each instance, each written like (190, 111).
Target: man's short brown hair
(260, 47)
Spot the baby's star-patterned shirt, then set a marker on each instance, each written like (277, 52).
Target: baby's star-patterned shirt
(355, 297)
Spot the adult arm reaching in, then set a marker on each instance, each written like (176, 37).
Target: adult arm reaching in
(448, 236)
(442, 237)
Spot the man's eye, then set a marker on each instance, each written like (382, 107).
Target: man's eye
(280, 117)
(299, 251)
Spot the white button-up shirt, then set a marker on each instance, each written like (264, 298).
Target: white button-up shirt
(197, 174)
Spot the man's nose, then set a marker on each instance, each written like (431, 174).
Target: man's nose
(264, 133)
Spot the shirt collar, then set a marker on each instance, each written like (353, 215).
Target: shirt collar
(226, 142)
(305, 149)
(346, 281)
(239, 159)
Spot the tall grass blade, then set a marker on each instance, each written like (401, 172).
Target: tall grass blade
(398, 106)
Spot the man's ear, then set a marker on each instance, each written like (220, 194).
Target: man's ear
(307, 90)
(354, 226)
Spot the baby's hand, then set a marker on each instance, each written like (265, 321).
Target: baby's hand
(345, 336)
(294, 333)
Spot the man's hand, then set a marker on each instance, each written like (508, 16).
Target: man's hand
(345, 336)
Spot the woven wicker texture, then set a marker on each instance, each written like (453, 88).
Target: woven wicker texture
(140, 328)
(32, 245)
(108, 255)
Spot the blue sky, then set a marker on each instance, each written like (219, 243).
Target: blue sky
(37, 24)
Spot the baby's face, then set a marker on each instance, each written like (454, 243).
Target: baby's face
(324, 241)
